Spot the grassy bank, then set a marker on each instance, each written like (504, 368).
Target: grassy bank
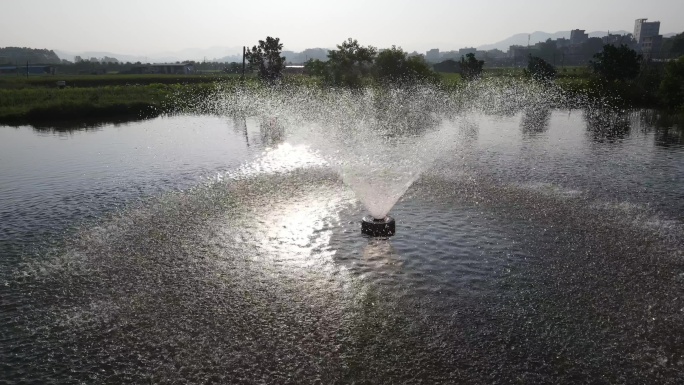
(89, 81)
(39, 100)
(35, 104)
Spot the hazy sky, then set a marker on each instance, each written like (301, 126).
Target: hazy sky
(151, 26)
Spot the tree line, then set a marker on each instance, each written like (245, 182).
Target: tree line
(617, 70)
(354, 65)
(621, 72)
(21, 55)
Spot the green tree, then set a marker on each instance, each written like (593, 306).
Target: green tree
(316, 67)
(266, 59)
(671, 91)
(233, 68)
(393, 66)
(538, 69)
(616, 63)
(677, 48)
(471, 68)
(420, 70)
(674, 46)
(591, 47)
(448, 66)
(349, 63)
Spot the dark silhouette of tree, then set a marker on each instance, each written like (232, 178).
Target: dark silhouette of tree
(538, 69)
(20, 55)
(616, 63)
(232, 68)
(591, 47)
(266, 59)
(449, 66)
(316, 67)
(393, 66)
(471, 68)
(671, 90)
(349, 63)
(677, 45)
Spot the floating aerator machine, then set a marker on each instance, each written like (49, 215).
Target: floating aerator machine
(378, 227)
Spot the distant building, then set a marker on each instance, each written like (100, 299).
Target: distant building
(647, 36)
(464, 51)
(449, 55)
(562, 42)
(495, 53)
(518, 54)
(432, 55)
(168, 69)
(31, 70)
(613, 39)
(577, 36)
(651, 45)
(643, 29)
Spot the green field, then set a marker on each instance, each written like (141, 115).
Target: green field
(38, 99)
(78, 81)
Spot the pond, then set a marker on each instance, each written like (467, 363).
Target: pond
(545, 247)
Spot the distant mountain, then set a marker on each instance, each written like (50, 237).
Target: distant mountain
(85, 55)
(230, 58)
(538, 36)
(214, 53)
(195, 54)
(309, 53)
(234, 54)
(21, 55)
(290, 56)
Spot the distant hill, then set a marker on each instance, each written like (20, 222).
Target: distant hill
(234, 53)
(195, 54)
(538, 36)
(309, 53)
(21, 55)
(85, 55)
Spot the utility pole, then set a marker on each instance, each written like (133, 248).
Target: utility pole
(27, 69)
(243, 61)
(563, 60)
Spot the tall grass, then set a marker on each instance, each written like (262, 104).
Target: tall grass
(79, 81)
(35, 104)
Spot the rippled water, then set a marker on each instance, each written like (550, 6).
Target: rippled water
(546, 248)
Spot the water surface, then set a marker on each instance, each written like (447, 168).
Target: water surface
(543, 248)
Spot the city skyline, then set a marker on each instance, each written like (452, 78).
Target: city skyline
(153, 27)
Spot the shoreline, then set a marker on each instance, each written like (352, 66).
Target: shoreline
(38, 102)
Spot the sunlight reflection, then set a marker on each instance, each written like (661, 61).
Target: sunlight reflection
(381, 256)
(283, 158)
(299, 232)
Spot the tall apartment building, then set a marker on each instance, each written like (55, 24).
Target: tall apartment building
(647, 36)
(432, 55)
(577, 36)
(643, 29)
